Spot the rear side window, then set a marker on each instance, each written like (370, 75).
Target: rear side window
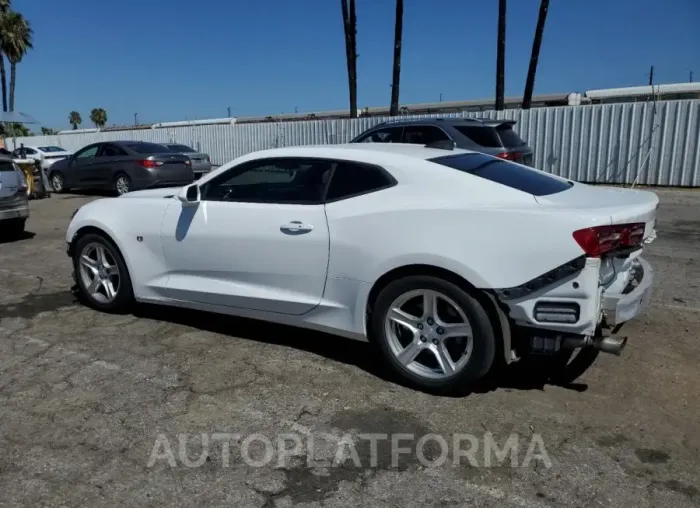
(423, 134)
(482, 136)
(6, 166)
(387, 135)
(509, 137)
(506, 173)
(352, 179)
(148, 148)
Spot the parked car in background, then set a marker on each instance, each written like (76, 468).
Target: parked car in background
(446, 260)
(14, 202)
(201, 162)
(47, 155)
(121, 166)
(492, 137)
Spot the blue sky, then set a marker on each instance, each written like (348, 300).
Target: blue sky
(176, 59)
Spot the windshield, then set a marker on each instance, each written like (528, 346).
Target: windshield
(148, 148)
(515, 176)
(51, 149)
(181, 148)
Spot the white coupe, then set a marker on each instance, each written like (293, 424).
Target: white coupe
(449, 261)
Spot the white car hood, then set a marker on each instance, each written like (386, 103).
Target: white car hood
(153, 193)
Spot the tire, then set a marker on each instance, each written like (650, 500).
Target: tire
(122, 184)
(58, 183)
(426, 372)
(123, 295)
(13, 228)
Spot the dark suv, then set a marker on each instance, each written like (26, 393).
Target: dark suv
(492, 137)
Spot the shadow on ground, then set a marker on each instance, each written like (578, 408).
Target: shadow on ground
(26, 235)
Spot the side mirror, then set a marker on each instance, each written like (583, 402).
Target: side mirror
(189, 196)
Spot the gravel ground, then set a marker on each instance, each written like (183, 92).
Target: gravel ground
(173, 408)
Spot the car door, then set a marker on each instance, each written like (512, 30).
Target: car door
(257, 240)
(110, 158)
(85, 166)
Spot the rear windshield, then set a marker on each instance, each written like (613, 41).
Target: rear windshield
(481, 135)
(506, 173)
(181, 148)
(6, 166)
(509, 137)
(148, 148)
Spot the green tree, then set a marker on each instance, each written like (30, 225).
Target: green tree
(535, 55)
(16, 41)
(98, 116)
(74, 119)
(4, 9)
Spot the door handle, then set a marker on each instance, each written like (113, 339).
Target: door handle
(296, 227)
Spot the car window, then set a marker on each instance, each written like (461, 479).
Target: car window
(423, 134)
(386, 135)
(283, 180)
(51, 149)
(515, 176)
(6, 165)
(148, 148)
(111, 151)
(353, 179)
(509, 137)
(481, 135)
(180, 148)
(89, 151)
(27, 150)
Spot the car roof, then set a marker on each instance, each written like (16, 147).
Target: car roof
(377, 153)
(484, 122)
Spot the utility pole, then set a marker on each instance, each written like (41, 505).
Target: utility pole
(691, 77)
(136, 118)
(440, 97)
(651, 76)
(228, 110)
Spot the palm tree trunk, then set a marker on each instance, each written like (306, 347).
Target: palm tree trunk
(350, 30)
(535, 55)
(13, 75)
(501, 56)
(3, 77)
(396, 78)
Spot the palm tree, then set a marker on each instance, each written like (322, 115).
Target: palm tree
(16, 41)
(98, 116)
(501, 56)
(535, 55)
(396, 77)
(350, 30)
(4, 9)
(74, 119)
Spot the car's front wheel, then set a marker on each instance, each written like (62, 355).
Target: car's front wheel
(433, 333)
(101, 273)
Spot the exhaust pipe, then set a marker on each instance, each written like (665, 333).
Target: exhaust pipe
(612, 345)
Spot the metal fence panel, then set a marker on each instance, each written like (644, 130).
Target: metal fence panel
(645, 142)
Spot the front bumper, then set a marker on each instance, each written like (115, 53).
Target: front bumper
(618, 308)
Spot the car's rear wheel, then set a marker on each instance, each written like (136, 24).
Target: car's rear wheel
(13, 228)
(122, 185)
(433, 334)
(58, 184)
(101, 273)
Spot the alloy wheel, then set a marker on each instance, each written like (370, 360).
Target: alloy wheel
(123, 185)
(429, 334)
(99, 273)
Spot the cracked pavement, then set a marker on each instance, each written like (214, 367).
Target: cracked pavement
(93, 406)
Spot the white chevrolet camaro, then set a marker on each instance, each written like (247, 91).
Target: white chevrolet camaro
(447, 260)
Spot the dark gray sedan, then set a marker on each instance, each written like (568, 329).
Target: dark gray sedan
(121, 166)
(201, 162)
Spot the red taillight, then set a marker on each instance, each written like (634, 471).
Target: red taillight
(510, 156)
(148, 163)
(603, 239)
